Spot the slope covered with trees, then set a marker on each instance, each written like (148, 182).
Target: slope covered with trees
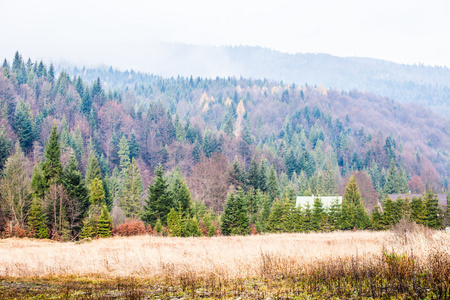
(179, 152)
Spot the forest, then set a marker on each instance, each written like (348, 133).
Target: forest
(129, 153)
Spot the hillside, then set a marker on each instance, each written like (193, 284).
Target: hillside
(209, 137)
(426, 85)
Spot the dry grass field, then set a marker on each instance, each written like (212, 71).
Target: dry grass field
(409, 261)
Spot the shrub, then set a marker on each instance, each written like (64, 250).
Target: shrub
(131, 227)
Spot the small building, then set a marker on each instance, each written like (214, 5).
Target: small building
(327, 201)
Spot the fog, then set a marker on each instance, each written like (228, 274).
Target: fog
(133, 34)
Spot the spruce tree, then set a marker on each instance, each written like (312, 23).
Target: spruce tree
(318, 215)
(234, 220)
(391, 184)
(93, 169)
(353, 212)
(432, 209)
(104, 224)
(173, 223)
(97, 194)
(389, 212)
(134, 146)
(37, 220)
(132, 192)
(418, 210)
(5, 146)
(182, 196)
(23, 125)
(38, 184)
(51, 167)
(159, 200)
(124, 154)
(377, 219)
(87, 229)
(74, 185)
(253, 175)
(272, 184)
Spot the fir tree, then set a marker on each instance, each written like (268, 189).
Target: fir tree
(38, 184)
(388, 212)
(318, 215)
(104, 224)
(23, 125)
(418, 210)
(193, 228)
(87, 229)
(377, 219)
(52, 168)
(74, 185)
(252, 175)
(93, 169)
(234, 220)
(159, 200)
(353, 212)
(173, 223)
(272, 184)
(97, 193)
(432, 209)
(132, 192)
(5, 146)
(37, 220)
(134, 146)
(124, 154)
(391, 184)
(182, 196)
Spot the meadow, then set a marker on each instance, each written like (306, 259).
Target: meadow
(409, 261)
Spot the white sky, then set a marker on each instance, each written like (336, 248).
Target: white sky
(109, 31)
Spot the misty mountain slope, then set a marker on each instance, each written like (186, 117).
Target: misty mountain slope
(406, 83)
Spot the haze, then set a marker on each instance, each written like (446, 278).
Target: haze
(126, 33)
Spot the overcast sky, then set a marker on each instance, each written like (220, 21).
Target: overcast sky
(109, 31)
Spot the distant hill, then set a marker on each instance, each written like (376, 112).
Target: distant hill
(426, 85)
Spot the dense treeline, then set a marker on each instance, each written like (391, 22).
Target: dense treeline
(196, 157)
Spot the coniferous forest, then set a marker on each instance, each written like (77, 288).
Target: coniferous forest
(131, 153)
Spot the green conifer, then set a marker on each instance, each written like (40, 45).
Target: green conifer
(159, 200)
(51, 167)
(104, 224)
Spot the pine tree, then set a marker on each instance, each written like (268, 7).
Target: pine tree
(234, 220)
(74, 185)
(51, 74)
(432, 209)
(272, 184)
(97, 194)
(391, 185)
(173, 223)
(5, 146)
(388, 212)
(37, 220)
(318, 215)
(179, 130)
(353, 212)
(87, 229)
(104, 224)
(159, 200)
(124, 154)
(134, 146)
(38, 184)
(252, 175)
(23, 125)
(52, 168)
(182, 196)
(418, 210)
(377, 219)
(93, 169)
(132, 192)
(262, 176)
(329, 180)
(193, 228)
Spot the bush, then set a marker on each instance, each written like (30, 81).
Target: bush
(130, 228)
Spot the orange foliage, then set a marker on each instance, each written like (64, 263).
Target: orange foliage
(130, 227)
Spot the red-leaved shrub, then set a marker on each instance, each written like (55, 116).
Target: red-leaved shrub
(131, 227)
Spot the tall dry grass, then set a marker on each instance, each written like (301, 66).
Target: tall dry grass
(220, 257)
